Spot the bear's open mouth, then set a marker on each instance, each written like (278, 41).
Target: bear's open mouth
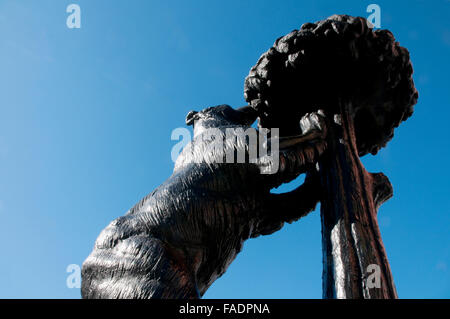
(312, 127)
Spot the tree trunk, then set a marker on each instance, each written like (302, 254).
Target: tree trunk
(355, 264)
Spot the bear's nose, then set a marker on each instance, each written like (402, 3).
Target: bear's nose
(190, 117)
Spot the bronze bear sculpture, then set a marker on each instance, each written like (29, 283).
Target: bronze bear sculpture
(182, 236)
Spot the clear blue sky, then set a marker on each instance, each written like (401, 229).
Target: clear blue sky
(86, 116)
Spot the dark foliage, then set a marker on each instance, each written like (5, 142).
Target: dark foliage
(337, 59)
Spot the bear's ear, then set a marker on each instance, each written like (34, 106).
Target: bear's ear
(190, 117)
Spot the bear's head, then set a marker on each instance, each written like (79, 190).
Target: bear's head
(221, 116)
